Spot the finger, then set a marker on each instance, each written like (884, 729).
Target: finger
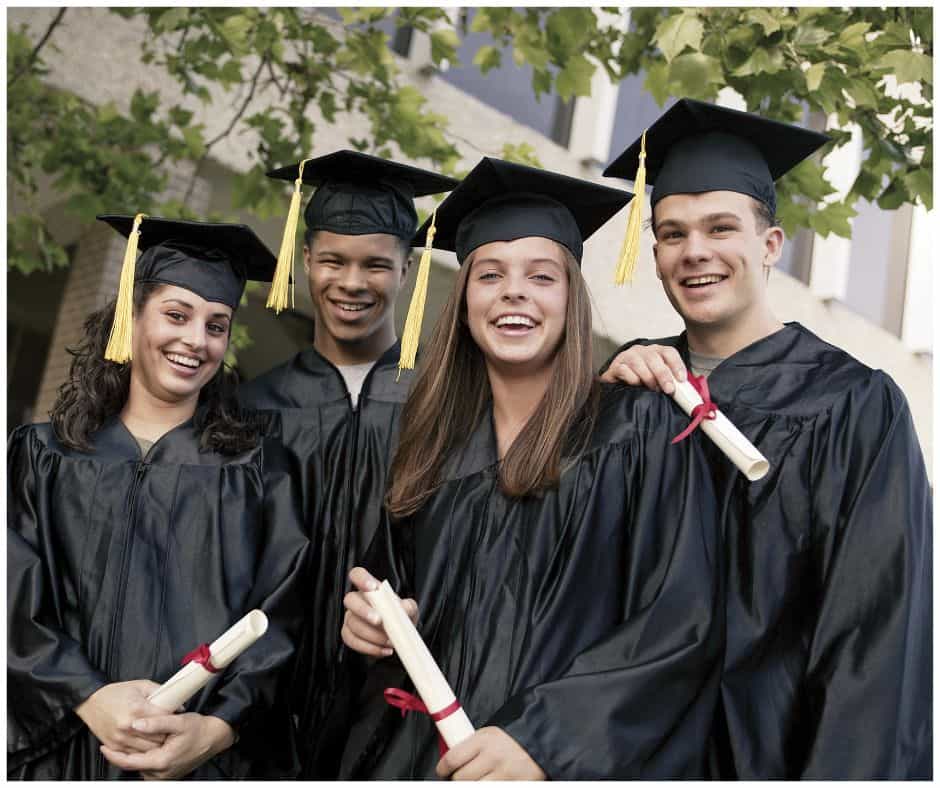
(366, 631)
(645, 374)
(363, 646)
(153, 761)
(474, 770)
(625, 374)
(164, 724)
(663, 374)
(457, 757)
(674, 361)
(362, 580)
(130, 742)
(357, 605)
(411, 608)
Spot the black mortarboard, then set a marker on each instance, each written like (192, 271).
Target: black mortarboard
(356, 194)
(503, 201)
(697, 147)
(359, 194)
(213, 260)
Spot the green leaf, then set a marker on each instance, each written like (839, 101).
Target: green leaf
(170, 19)
(863, 94)
(894, 196)
(487, 57)
(833, 218)
(235, 30)
(575, 78)
(677, 32)
(541, 82)
(854, 35)
(657, 81)
(919, 183)
(444, 45)
(192, 136)
(568, 29)
(814, 75)
(764, 18)
(763, 61)
(810, 36)
(907, 66)
(695, 75)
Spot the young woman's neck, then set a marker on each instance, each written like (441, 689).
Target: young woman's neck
(726, 339)
(363, 351)
(149, 417)
(515, 398)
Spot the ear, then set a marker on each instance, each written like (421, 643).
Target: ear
(307, 260)
(659, 274)
(406, 266)
(773, 246)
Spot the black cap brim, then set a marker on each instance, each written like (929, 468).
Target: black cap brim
(238, 241)
(350, 166)
(590, 206)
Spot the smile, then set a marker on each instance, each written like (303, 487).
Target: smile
(350, 306)
(515, 320)
(701, 281)
(186, 361)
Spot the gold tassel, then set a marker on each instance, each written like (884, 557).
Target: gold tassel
(630, 250)
(119, 341)
(412, 332)
(284, 273)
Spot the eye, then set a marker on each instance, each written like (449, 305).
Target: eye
(176, 317)
(218, 328)
(329, 261)
(723, 228)
(380, 267)
(488, 275)
(544, 277)
(670, 235)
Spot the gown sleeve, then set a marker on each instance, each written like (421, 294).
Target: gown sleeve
(48, 674)
(639, 703)
(868, 678)
(251, 695)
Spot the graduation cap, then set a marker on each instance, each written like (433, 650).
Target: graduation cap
(356, 194)
(503, 201)
(697, 147)
(213, 260)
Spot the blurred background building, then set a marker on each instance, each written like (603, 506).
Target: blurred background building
(871, 295)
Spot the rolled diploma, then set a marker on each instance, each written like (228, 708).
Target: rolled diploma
(423, 670)
(192, 677)
(725, 435)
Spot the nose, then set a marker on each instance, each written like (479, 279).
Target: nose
(696, 248)
(195, 338)
(351, 279)
(514, 288)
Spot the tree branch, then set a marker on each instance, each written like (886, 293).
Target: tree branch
(35, 53)
(222, 135)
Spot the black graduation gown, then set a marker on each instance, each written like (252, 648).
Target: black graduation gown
(828, 663)
(341, 458)
(118, 565)
(583, 622)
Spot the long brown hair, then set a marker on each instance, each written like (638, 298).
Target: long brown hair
(97, 389)
(452, 390)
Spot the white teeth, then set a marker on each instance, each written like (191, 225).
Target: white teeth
(515, 320)
(186, 361)
(352, 307)
(703, 280)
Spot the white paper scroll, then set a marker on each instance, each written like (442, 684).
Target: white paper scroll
(725, 435)
(192, 677)
(423, 670)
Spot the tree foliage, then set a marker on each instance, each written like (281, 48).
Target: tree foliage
(299, 66)
(841, 62)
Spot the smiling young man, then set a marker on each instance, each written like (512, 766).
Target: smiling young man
(336, 405)
(827, 667)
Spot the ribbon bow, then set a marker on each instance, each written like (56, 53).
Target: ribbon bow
(706, 410)
(201, 656)
(408, 702)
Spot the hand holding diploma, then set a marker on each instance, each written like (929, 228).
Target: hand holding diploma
(362, 625)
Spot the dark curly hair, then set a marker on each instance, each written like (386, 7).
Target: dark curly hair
(97, 389)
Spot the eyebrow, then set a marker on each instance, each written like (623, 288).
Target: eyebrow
(370, 259)
(712, 217)
(186, 304)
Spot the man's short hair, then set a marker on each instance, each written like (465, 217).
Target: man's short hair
(404, 247)
(763, 217)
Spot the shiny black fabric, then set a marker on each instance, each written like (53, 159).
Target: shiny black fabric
(828, 661)
(583, 622)
(118, 565)
(341, 457)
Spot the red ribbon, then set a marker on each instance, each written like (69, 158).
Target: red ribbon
(706, 410)
(201, 656)
(408, 702)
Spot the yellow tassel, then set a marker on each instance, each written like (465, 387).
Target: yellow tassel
(283, 274)
(630, 250)
(412, 331)
(119, 341)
